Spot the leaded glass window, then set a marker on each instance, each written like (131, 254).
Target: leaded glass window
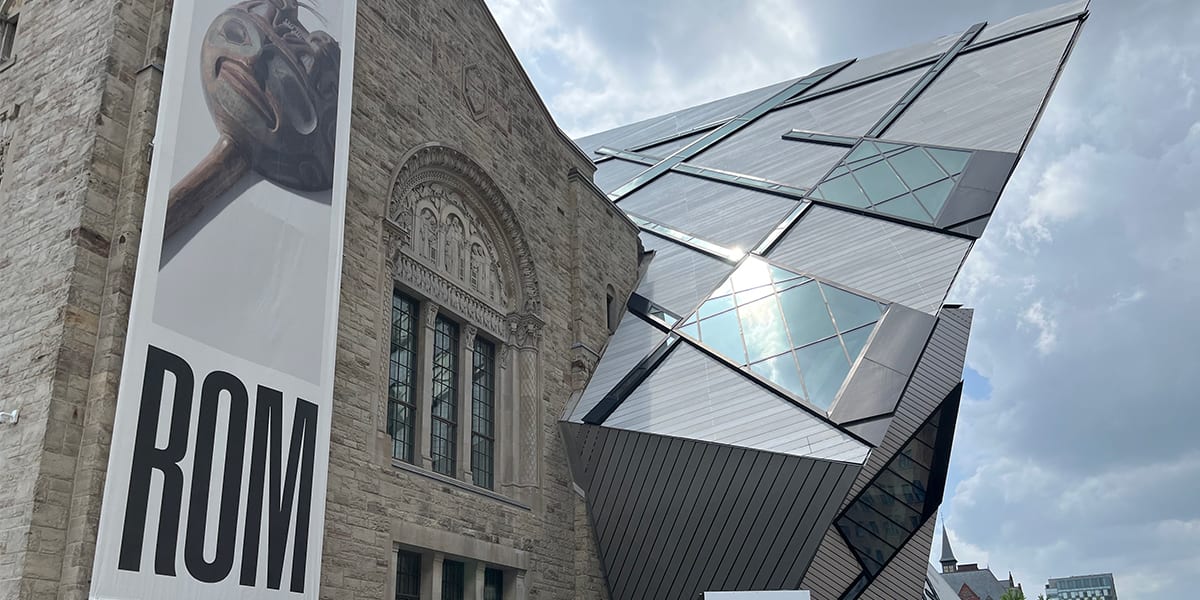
(801, 334)
(8, 36)
(453, 580)
(907, 181)
(408, 575)
(402, 372)
(493, 584)
(444, 425)
(483, 413)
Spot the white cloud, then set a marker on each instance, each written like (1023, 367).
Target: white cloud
(1037, 317)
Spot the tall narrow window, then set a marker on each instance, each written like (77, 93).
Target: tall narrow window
(444, 425)
(408, 576)
(402, 409)
(453, 582)
(493, 584)
(8, 35)
(483, 414)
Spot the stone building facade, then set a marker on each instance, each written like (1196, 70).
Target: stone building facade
(463, 197)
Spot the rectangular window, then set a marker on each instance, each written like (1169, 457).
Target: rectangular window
(8, 35)
(493, 584)
(444, 425)
(483, 414)
(402, 377)
(408, 576)
(453, 587)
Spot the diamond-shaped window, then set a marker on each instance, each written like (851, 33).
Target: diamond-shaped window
(906, 181)
(801, 334)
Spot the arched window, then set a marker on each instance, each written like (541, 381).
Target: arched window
(463, 344)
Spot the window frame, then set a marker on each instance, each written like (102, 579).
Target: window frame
(414, 367)
(444, 425)
(407, 557)
(454, 580)
(483, 394)
(9, 25)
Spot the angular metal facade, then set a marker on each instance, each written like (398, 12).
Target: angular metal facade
(776, 409)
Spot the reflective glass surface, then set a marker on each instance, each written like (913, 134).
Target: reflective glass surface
(906, 181)
(893, 506)
(786, 328)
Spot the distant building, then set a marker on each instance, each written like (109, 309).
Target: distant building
(967, 581)
(1092, 587)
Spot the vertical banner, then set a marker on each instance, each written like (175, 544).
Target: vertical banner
(220, 449)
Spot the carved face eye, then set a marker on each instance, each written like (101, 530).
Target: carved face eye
(235, 33)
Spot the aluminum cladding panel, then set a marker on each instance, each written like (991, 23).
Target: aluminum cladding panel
(668, 148)
(716, 212)
(679, 278)
(1032, 19)
(633, 340)
(692, 395)
(610, 174)
(642, 132)
(872, 65)
(758, 149)
(914, 267)
(988, 99)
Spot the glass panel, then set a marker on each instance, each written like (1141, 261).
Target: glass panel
(856, 340)
(408, 576)
(806, 315)
(850, 310)
(864, 151)
(763, 330)
(483, 437)
(954, 161)
(934, 196)
(895, 534)
(782, 371)
(905, 207)
(879, 182)
(825, 368)
(873, 551)
(890, 507)
(444, 426)
(453, 580)
(751, 274)
(721, 333)
(844, 190)
(902, 489)
(715, 305)
(692, 331)
(916, 451)
(784, 276)
(493, 584)
(838, 172)
(752, 295)
(402, 377)
(916, 168)
(890, 147)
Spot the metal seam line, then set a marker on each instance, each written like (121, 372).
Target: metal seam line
(725, 130)
(925, 81)
(688, 240)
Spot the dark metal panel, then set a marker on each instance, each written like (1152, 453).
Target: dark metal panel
(873, 431)
(990, 98)
(744, 557)
(645, 459)
(900, 338)
(871, 391)
(657, 504)
(723, 214)
(614, 172)
(679, 278)
(818, 514)
(805, 557)
(979, 187)
(903, 264)
(833, 569)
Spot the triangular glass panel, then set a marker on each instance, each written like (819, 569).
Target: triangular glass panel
(807, 317)
(879, 181)
(844, 190)
(916, 168)
(863, 151)
(856, 340)
(824, 368)
(850, 310)
(782, 371)
(762, 329)
(784, 276)
(723, 334)
(933, 197)
(716, 305)
(889, 147)
(691, 330)
(905, 207)
(954, 161)
(753, 273)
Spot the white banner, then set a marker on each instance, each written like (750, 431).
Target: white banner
(220, 450)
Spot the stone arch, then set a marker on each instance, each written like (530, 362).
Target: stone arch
(436, 174)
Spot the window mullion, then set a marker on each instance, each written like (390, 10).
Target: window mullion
(466, 353)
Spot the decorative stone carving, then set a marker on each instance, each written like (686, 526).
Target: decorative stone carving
(439, 289)
(3, 153)
(464, 229)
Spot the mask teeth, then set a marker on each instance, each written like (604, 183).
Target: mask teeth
(313, 10)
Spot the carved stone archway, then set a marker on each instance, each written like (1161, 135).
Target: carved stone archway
(453, 238)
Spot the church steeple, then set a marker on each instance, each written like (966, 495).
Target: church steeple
(949, 563)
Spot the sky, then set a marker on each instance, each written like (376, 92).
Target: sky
(1077, 449)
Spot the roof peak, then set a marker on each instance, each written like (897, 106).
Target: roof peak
(947, 552)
